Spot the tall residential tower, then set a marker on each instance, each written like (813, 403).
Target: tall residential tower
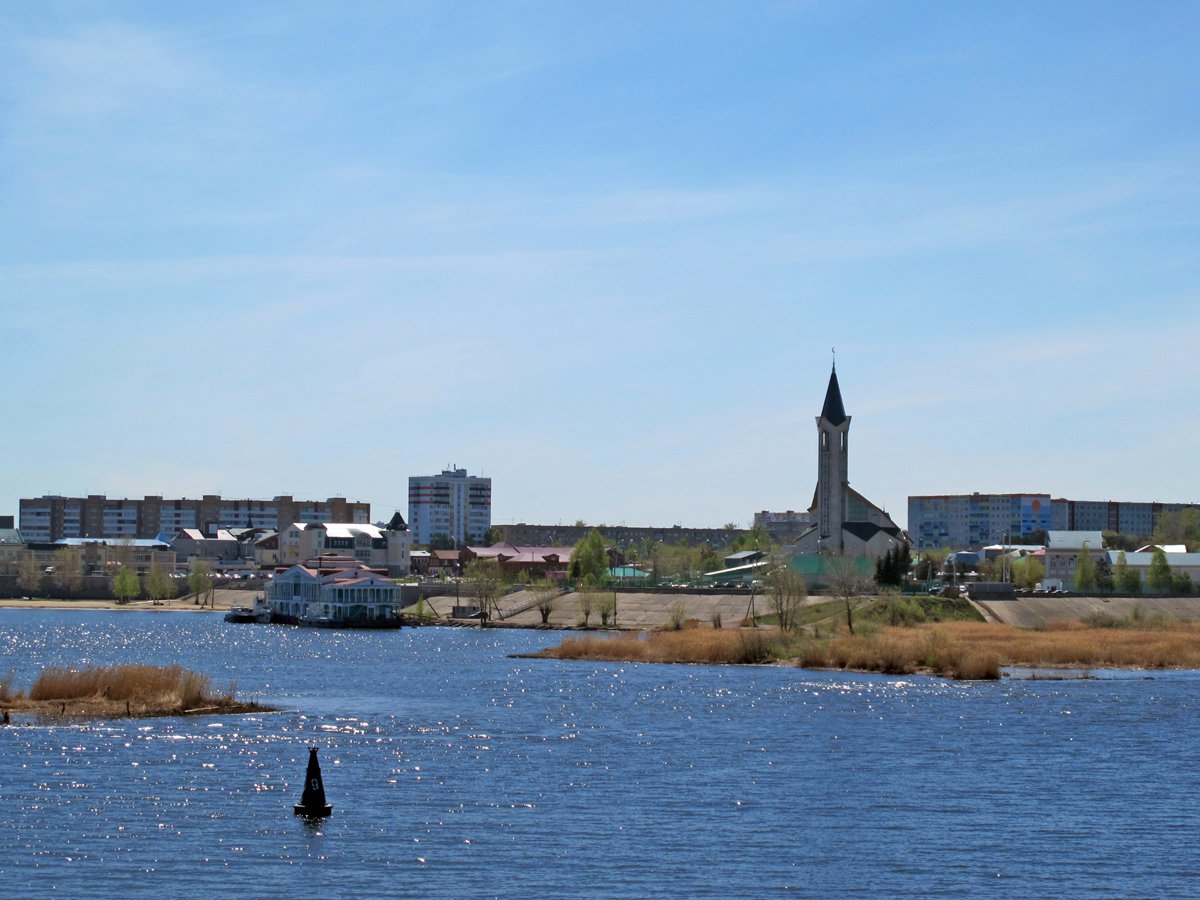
(452, 506)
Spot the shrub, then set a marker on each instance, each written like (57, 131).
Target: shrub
(606, 607)
(975, 666)
(6, 691)
(904, 612)
(1101, 620)
(675, 616)
(936, 650)
(752, 648)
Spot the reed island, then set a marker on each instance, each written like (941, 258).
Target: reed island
(112, 692)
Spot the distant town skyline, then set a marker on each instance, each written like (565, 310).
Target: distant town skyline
(598, 253)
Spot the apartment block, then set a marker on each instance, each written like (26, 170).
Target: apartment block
(966, 520)
(783, 527)
(1111, 515)
(622, 536)
(52, 518)
(970, 520)
(452, 505)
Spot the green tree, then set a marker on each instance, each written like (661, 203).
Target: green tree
(1104, 574)
(1132, 582)
(1181, 583)
(1120, 570)
(1117, 541)
(710, 560)
(30, 573)
(678, 561)
(930, 564)
(1032, 538)
(1178, 527)
(589, 559)
(68, 570)
(158, 584)
(1158, 576)
(988, 569)
(1085, 570)
(126, 584)
(1125, 576)
(1027, 572)
(892, 568)
(756, 538)
(200, 581)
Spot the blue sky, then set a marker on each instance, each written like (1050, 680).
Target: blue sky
(599, 251)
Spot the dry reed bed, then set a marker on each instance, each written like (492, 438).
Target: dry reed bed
(1069, 643)
(966, 650)
(695, 645)
(130, 690)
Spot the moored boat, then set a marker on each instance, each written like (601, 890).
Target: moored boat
(260, 612)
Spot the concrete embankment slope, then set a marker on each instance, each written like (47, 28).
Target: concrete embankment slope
(1035, 612)
(634, 610)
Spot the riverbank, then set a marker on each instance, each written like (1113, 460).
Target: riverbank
(962, 650)
(222, 600)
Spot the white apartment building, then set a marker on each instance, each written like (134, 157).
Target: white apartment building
(452, 505)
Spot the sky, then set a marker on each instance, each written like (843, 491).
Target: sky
(601, 252)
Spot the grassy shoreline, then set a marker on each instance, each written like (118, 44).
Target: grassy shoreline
(132, 691)
(961, 650)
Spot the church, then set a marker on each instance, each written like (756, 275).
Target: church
(845, 522)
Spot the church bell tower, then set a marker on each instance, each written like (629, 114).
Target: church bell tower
(833, 436)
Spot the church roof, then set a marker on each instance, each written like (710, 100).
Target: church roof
(833, 410)
(864, 531)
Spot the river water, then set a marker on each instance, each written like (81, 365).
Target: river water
(456, 771)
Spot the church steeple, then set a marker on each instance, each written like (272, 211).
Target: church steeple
(833, 465)
(833, 410)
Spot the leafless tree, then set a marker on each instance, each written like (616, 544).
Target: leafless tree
(484, 577)
(848, 583)
(606, 607)
(545, 594)
(787, 591)
(587, 597)
(30, 573)
(68, 570)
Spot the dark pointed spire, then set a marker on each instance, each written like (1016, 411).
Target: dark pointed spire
(833, 410)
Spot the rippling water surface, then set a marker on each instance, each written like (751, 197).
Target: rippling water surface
(455, 770)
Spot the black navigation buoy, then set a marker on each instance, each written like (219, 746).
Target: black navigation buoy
(312, 803)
